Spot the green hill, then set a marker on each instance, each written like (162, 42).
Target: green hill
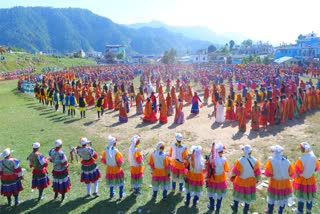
(14, 61)
(71, 29)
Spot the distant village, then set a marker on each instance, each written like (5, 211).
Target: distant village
(306, 50)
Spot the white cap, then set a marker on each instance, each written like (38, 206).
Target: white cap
(219, 147)
(111, 140)
(36, 145)
(196, 148)
(6, 152)
(58, 143)
(160, 144)
(179, 136)
(306, 146)
(135, 139)
(277, 148)
(84, 141)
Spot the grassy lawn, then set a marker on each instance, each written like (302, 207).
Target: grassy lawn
(15, 61)
(25, 121)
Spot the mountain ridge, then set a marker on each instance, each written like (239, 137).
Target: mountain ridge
(63, 30)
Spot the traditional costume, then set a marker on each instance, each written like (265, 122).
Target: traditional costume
(136, 164)
(11, 175)
(178, 154)
(195, 178)
(61, 181)
(279, 169)
(195, 104)
(217, 169)
(39, 163)
(90, 171)
(160, 165)
(245, 174)
(114, 173)
(305, 183)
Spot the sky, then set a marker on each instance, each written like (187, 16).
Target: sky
(275, 21)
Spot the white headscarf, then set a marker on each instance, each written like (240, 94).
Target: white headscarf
(5, 152)
(198, 159)
(132, 148)
(277, 151)
(246, 150)
(159, 145)
(307, 147)
(218, 148)
(111, 141)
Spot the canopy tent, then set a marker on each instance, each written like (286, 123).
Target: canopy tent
(286, 60)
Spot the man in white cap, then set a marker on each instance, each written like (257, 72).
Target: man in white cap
(90, 171)
(217, 169)
(114, 173)
(136, 164)
(61, 180)
(39, 163)
(279, 169)
(11, 175)
(305, 182)
(160, 164)
(245, 174)
(178, 154)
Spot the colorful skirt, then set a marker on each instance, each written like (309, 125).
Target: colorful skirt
(195, 108)
(90, 173)
(305, 189)
(40, 179)
(114, 178)
(137, 173)
(10, 185)
(194, 183)
(178, 174)
(279, 191)
(217, 186)
(179, 119)
(244, 190)
(160, 179)
(123, 119)
(170, 110)
(139, 109)
(61, 181)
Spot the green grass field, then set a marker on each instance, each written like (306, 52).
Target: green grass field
(15, 61)
(25, 121)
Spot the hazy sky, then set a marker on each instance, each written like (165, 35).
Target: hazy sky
(268, 20)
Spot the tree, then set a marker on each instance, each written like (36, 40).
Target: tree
(247, 43)
(231, 44)
(110, 57)
(120, 56)
(3, 50)
(258, 60)
(169, 57)
(266, 60)
(212, 49)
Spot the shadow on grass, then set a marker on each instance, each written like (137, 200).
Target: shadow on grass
(59, 207)
(158, 125)
(89, 123)
(113, 206)
(238, 135)
(143, 124)
(118, 123)
(71, 121)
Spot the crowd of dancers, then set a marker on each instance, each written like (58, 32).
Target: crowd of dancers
(266, 95)
(180, 169)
